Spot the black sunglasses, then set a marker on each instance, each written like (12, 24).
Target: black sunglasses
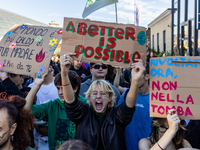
(98, 66)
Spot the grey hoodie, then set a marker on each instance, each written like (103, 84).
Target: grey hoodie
(85, 86)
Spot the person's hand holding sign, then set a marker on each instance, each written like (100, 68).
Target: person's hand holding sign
(137, 70)
(136, 73)
(173, 121)
(66, 61)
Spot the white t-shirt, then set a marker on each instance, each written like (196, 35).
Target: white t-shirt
(46, 93)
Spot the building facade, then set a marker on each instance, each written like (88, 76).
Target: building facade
(160, 32)
(9, 19)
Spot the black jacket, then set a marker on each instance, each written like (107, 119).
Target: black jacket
(193, 133)
(88, 130)
(12, 89)
(81, 72)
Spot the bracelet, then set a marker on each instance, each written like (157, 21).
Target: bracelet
(66, 84)
(160, 147)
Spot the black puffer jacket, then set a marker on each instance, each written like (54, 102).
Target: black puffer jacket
(88, 130)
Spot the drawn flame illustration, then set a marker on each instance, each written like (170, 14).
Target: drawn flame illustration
(40, 57)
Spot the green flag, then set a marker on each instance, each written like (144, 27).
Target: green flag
(93, 5)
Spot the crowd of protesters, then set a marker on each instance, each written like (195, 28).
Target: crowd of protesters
(88, 106)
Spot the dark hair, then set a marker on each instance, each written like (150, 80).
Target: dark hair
(178, 138)
(91, 64)
(74, 78)
(23, 118)
(74, 145)
(56, 69)
(110, 75)
(51, 62)
(13, 74)
(147, 68)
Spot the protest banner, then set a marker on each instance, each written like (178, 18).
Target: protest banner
(110, 43)
(175, 83)
(27, 49)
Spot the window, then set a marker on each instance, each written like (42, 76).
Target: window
(164, 41)
(158, 49)
(153, 41)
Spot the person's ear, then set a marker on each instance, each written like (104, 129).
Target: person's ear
(13, 128)
(75, 90)
(147, 76)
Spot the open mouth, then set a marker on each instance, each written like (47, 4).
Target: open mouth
(98, 105)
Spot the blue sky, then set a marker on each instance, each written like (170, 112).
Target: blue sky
(48, 10)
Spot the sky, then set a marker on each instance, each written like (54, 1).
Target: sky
(46, 11)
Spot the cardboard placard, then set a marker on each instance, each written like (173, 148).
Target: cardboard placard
(27, 49)
(175, 83)
(110, 43)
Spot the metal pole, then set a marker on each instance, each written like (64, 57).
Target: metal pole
(186, 10)
(195, 52)
(116, 12)
(189, 37)
(172, 28)
(182, 41)
(178, 26)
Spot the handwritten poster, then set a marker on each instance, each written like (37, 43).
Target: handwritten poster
(27, 49)
(110, 43)
(175, 83)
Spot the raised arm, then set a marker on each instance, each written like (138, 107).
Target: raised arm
(173, 122)
(136, 73)
(66, 61)
(31, 95)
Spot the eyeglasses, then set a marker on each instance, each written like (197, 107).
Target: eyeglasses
(102, 93)
(98, 66)
(162, 129)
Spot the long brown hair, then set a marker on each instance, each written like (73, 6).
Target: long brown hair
(178, 138)
(23, 118)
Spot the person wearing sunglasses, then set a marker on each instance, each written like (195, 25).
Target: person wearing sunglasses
(166, 134)
(98, 123)
(98, 71)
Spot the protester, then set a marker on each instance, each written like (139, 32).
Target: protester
(47, 91)
(98, 71)
(60, 128)
(99, 124)
(166, 134)
(74, 145)
(13, 85)
(78, 68)
(140, 126)
(15, 122)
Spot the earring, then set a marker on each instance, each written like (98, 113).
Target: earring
(12, 138)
